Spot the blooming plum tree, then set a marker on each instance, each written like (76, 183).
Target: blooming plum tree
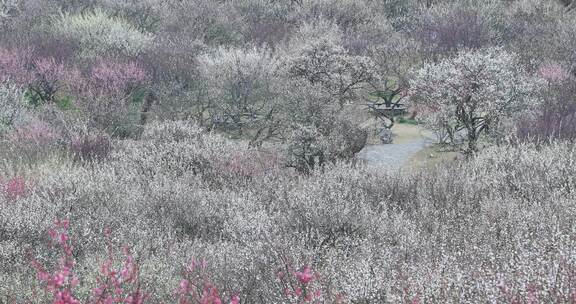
(473, 92)
(321, 59)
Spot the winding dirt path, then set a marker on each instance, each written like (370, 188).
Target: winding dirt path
(409, 140)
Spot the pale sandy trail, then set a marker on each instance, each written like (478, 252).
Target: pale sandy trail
(396, 155)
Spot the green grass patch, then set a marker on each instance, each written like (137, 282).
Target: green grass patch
(408, 121)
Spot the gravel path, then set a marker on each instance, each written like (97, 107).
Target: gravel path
(392, 156)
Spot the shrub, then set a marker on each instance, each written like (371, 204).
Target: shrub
(13, 66)
(331, 140)
(268, 23)
(31, 141)
(115, 79)
(47, 80)
(196, 288)
(346, 140)
(90, 147)
(556, 116)
(184, 151)
(113, 116)
(36, 132)
(114, 96)
(305, 148)
(40, 78)
(145, 15)
(213, 23)
(398, 10)
(449, 29)
(348, 15)
(9, 9)
(523, 22)
(250, 163)
(243, 86)
(98, 34)
(409, 121)
(554, 73)
(12, 106)
(172, 131)
(14, 188)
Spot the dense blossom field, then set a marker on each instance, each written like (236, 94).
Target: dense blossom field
(207, 152)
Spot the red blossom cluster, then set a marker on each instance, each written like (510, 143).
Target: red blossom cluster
(62, 280)
(13, 188)
(116, 285)
(112, 78)
(13, 66)
(90, 147)
(36, 132)
(45, 76)
(249, 163)
(554, 72)
(300, 287)
(41, 76)
(196, 288)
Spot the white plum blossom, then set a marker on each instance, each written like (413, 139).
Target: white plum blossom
(319, 57)
(474, 92)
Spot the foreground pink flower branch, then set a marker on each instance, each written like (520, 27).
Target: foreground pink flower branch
(304, 286)
(61, 281)
(196, 287)
(118, 286)
(119, 281)
(115, 285)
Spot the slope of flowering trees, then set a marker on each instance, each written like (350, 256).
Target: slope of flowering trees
(138, 136)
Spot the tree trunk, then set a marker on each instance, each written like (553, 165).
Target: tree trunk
(472, 142)
(146, 107)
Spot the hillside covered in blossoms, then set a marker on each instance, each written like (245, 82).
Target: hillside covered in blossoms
(287, 151)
